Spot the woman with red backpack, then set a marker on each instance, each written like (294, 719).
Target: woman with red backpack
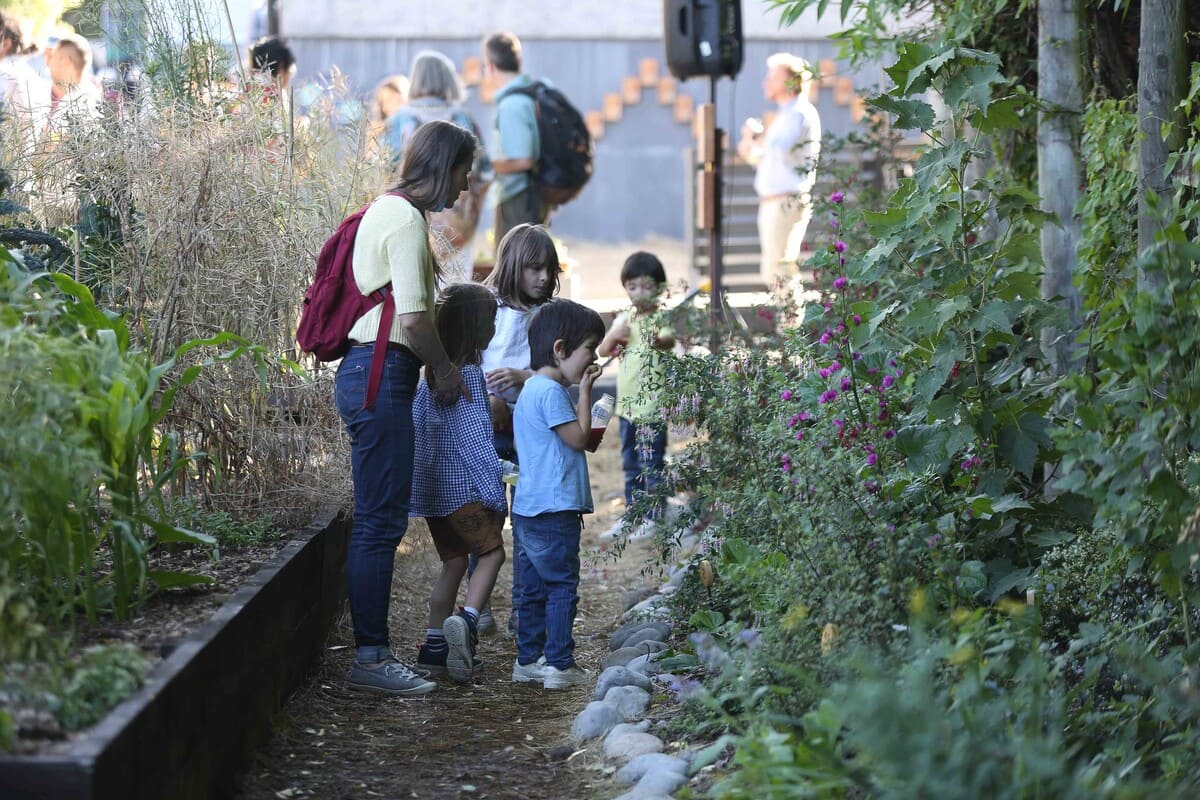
(391, 247)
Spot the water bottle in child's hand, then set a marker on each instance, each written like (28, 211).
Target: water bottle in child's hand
(509, 472)
(602, 411)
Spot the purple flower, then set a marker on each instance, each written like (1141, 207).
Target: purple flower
(786, 394)
(785, 463)
(889, 434)
(872, 459)
(887, 381)
(846, 383)
(833, 223)
(826, 336)
(837, 197)
(829, 396)
(834, 367)
(825, 372)
(840, 283)
(837, 423)
(799, 436)
(839, 246)
(803, 415)
(857, 319)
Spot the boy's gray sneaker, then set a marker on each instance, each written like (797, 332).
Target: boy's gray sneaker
(390, 677)
(556, 678)
(529, 673)
(460, 660)
(487, 621)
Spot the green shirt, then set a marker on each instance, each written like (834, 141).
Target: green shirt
(640, 375)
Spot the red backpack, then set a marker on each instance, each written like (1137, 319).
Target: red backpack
(333, 304)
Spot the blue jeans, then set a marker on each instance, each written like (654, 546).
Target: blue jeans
(381, 458)
(549, 568)
(643, 446)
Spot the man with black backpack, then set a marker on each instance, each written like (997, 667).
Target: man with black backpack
(517, 144)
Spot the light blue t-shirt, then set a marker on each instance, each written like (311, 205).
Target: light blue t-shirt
(553, 477)
(516, 135)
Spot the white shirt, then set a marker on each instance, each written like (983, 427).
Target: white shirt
(510, 345)
(24, 94)
(790, 149)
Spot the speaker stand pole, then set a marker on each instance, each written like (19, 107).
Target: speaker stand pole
(716, 299)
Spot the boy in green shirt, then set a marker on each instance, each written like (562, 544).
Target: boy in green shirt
(639, 337)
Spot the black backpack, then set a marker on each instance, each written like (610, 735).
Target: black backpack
(565, 162)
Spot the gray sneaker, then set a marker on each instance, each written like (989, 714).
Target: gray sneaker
(460, 640)
(529, 673)
(390, 677)
(556, 678)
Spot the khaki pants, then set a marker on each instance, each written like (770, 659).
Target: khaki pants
(782, 222)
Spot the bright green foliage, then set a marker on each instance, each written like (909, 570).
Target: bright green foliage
(879, 501)
(81, 462)
(1134, 448)
(102, 677)
(222, 526)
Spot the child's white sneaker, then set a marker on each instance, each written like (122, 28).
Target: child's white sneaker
(530, 673)
(563, 678)
(643, 531)
(614, 531)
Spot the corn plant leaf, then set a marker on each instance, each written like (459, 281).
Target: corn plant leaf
(171, 579)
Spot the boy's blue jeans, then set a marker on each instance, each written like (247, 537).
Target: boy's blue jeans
(381, 457)
(549, 567)
(643, 446)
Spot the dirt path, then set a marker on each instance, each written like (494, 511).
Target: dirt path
(496, 739)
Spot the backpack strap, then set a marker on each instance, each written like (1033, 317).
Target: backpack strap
(379, 354)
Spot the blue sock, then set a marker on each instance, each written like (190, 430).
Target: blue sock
(435, 640)
(472, 615)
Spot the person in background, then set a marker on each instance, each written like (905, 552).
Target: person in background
(390, 95)
(526, 277)
(435, 92)
(639, 337)
(784, 154)
(517, 145)
(74, 94)
(553, 489)
(272, 65)
(20, 85)
(392, 246)
(457, 485)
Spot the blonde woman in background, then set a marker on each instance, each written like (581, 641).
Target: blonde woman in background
(390, 95)
(436, 93)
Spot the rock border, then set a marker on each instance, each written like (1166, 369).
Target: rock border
(616, 719)
(205, 708)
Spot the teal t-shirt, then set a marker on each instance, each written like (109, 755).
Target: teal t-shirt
(553, 477)
(640, 372)
(516, 135)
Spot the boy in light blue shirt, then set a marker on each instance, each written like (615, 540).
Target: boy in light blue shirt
(553, 489)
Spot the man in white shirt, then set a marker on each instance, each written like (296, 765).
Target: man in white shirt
(785, 155)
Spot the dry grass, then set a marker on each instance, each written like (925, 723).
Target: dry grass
(221, 208)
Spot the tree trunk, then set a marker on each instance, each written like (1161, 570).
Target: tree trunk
(1162, 82)
(1060, 96)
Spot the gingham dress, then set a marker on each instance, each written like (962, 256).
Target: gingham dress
(455, 461)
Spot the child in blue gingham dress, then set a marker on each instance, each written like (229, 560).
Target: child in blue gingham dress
(457, 485)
